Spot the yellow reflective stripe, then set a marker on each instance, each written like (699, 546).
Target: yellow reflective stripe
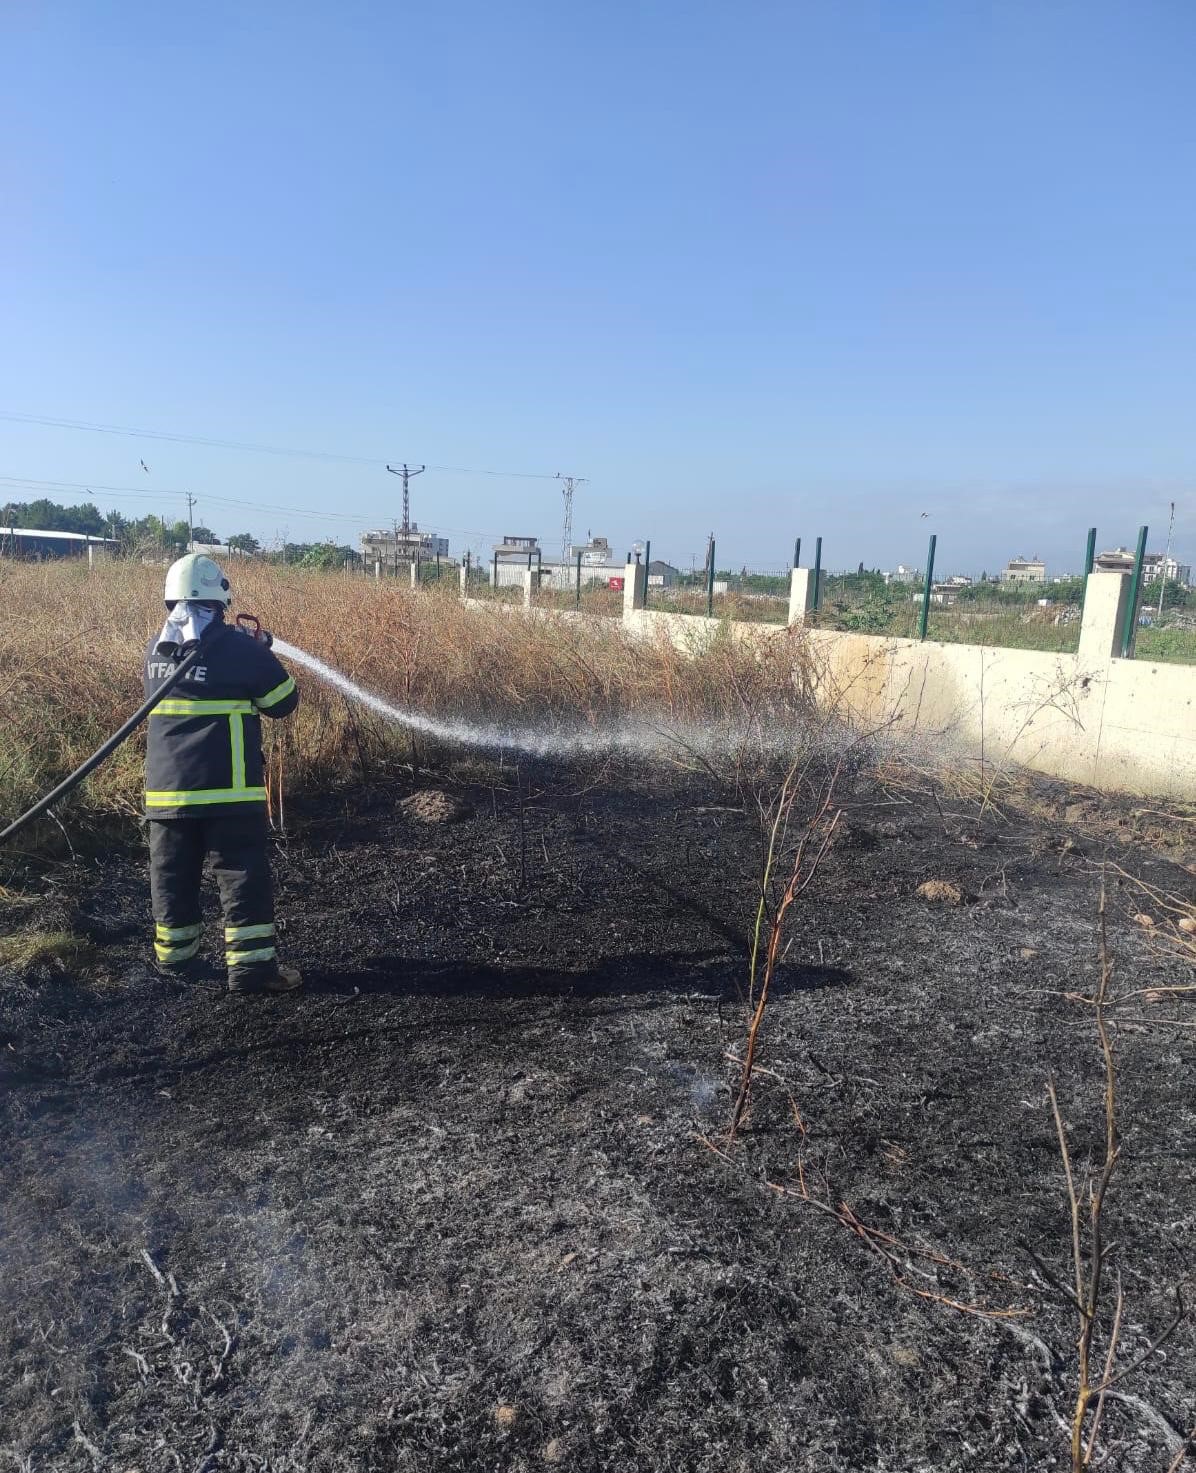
(176, 953)
(236, 737)
(177, 933)
(272, 697)
(177, 706)
(200, 796)
(248, 933)
(240, 958)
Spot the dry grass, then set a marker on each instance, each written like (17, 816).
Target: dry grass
(28, 950)
(71, 647)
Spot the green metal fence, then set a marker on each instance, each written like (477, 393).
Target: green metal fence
(1019, 609)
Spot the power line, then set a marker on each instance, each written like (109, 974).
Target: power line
(90, 488)
(136, 492)
(215, 443)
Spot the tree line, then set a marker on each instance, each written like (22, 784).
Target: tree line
(153, 534)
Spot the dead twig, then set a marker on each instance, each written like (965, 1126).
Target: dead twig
(889, 1250)
(1088, 1269)
(86, 1443)
(819, 831)
(153, 1267)
(218, 1363)
(1189, 1444)
(1088, 1249)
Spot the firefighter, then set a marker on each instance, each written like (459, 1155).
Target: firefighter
(204, 787)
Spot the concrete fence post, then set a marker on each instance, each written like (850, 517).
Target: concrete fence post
(801, 594)
(463, 578)
(1102, 623)
(415, 575)
(528, 575)
(635, 588)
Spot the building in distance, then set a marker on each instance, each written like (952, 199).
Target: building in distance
(902, 574)
(594, 553)
(1154, 566)
(390, 547)
(1024, 570)
(517, 550)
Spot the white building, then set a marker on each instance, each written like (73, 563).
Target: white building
(1154, 565)
(596, 552)
(1024, 570)
(36, 542)
(391, 548)
(554, 574)
(523, 551)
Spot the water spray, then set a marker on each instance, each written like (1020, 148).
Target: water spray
(629, 735)
(488, 735)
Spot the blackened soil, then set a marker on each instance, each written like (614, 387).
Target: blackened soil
(468, 1203)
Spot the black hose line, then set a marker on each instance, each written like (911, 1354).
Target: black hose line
(110, 746)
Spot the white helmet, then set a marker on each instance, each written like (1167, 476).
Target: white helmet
(197, 577)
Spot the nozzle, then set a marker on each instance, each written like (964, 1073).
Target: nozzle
(250, 624)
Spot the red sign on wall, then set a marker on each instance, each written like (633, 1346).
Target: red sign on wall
(616, 584)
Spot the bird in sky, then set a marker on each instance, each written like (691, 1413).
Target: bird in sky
(145, 467)
(925, 514)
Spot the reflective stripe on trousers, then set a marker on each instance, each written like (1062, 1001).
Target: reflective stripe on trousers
(236, 955)
(237, 845)
(176, 944)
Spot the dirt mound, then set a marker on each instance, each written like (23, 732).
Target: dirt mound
(940, 892)
(435, 806)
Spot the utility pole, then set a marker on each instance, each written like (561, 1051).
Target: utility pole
(191, 522)
(406, 472)
(567, 488)
(1166, 557)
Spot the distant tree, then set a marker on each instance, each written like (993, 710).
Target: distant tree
(49, 516)
(327, 555)
(153, 529)
(205, 534)
(244, 542)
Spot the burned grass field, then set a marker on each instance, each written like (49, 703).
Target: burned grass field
(469, 1201)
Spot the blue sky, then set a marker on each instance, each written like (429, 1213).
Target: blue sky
(761, 269)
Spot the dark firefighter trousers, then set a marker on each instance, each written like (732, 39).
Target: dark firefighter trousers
(237, 845)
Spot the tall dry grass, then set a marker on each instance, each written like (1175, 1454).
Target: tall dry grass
(72, 641)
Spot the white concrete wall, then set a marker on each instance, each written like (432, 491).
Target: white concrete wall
(1125, 725)
(1122, 725)
(1091, 717)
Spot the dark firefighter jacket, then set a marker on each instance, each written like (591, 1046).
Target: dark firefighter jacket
(204, 751)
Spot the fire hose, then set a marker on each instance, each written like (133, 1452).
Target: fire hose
(179, 673)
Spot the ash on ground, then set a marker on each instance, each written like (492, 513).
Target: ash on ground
(468, 1203)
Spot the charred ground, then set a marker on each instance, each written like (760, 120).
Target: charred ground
(456, 1206)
